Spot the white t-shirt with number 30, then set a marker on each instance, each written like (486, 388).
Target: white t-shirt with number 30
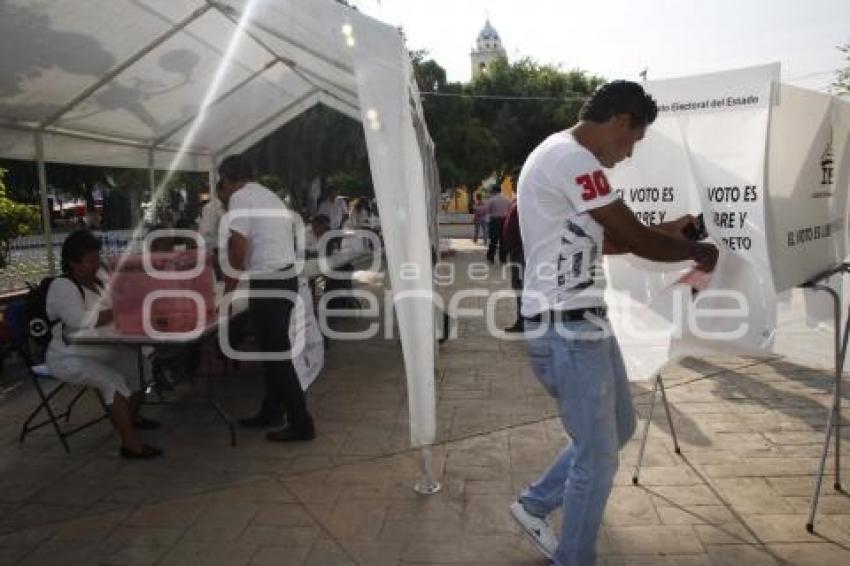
(560, 182)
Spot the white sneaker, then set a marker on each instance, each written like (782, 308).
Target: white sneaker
(536, 528)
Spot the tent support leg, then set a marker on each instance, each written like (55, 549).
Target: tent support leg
(212, 177)
(426, 485)
(46, 213)
(152, 175)
(834, 418)
(659, 386)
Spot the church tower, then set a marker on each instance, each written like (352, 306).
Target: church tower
(488, 48)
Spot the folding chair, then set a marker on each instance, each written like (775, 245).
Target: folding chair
(39, 374)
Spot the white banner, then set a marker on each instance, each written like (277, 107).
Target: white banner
(306, 338)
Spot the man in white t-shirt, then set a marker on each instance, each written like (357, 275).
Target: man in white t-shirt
(261, 243)
(569, 216)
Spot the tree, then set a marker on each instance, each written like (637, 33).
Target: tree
(842, 76)
(492, 124)
(537, 101)
(319, 144)
(16, 220)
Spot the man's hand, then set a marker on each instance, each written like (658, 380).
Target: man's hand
(688, 226)
(237, 252)
(624, 230)
(230, 284)
(681, 226)
(705, 255)
(104, 317)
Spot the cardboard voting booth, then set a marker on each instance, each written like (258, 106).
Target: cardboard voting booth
(767, 166)
(162, 293)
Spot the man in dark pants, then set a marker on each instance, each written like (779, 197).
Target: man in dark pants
(261, 244)
(497, 209)
(512, 240)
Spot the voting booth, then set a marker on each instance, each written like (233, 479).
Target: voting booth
(768, 166)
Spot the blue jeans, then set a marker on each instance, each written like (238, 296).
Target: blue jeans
(587, 377)
(482, 226)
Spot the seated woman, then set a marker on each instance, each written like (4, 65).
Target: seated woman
(74, 301)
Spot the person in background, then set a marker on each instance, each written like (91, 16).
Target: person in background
(262, 246)
(512, 240)
(320, 225)
(479, 219)
(326, 284)
(92, 218)
(333, 206)
(77, 300)
(497, 209)
(209, 221)
(569, 216)
(359, 217)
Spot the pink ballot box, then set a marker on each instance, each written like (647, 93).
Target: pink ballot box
(177, 286)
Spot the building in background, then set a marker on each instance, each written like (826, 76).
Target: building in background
(488, 49)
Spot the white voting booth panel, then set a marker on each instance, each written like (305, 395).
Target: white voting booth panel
(808, 176)
(159, 84)
(733, 146)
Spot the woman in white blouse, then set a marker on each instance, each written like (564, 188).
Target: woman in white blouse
(77, 300)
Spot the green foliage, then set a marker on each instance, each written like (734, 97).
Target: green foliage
(842, 76)
(16, 219)
(350, 184)
(493, 123)
(273, 183)
(318, 144)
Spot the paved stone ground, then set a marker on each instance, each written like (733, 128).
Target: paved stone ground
(750, 433)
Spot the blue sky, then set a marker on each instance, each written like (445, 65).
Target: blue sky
(618, 38)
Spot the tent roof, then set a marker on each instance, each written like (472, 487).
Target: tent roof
(108, 82)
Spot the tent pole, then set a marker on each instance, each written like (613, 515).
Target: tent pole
(151, 173)
(45, 211)
(212, 174)
(426, 485)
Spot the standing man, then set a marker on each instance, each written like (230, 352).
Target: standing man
(497, 209)
(569, 216)
(261, 244)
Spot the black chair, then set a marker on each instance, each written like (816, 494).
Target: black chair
(40, 374)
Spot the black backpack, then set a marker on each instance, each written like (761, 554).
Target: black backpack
(39, 326)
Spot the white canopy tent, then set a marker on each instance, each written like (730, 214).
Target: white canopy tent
(159, 84)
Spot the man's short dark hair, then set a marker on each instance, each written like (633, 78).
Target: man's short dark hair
(620, 97)
(235, 168)
(322, 220)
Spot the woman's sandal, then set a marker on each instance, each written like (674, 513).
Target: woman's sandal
(148, 452)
